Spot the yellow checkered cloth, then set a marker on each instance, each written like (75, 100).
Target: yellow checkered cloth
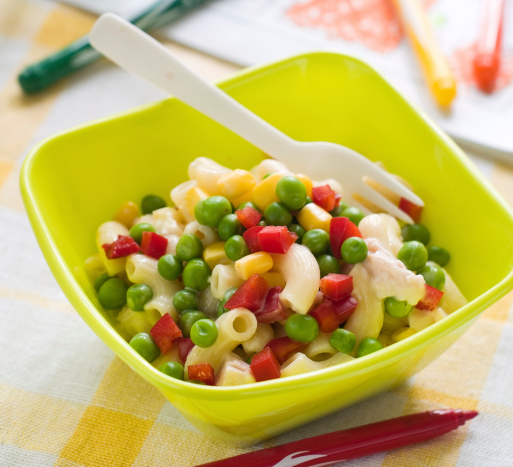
(66, 400)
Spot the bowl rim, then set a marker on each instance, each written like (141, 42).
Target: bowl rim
(120, 347)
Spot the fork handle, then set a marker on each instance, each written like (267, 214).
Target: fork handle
(142, 55)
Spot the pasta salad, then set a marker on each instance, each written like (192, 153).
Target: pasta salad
(263, 274)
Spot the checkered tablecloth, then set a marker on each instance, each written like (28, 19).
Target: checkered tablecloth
(66, 400)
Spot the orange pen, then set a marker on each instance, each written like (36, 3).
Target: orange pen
(437, 72)
(487, 60)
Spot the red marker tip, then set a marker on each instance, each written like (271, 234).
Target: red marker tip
(465, 415)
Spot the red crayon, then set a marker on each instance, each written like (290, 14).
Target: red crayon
(357, 442)
(487, 60)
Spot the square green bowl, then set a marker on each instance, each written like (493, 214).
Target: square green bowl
(76, 180)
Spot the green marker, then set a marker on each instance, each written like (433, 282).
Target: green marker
(79, 54)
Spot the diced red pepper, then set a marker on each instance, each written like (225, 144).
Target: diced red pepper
(276, 239)
(185, 345)
(326, 316)
(345, 308)
(338, 199)
(121, 247)
(336, 286)
(272, 310)
(285, 347)
(202, 372)
(153, 244)
(324, 197)
(251, 238)
(250, 295)
(341, 228)
(248, 217)
(413, 210)
(431, 299)
(165, 333)
(265, 366)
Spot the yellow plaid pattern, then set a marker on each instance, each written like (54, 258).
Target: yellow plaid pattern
(66, 401)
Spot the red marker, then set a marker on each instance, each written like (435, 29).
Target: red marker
(487, 60)
(357, 442)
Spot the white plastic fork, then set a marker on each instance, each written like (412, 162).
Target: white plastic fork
(139, 53)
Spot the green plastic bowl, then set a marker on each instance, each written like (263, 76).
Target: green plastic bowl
(76, 180)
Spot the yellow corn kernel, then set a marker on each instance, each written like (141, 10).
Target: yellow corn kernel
(256, 263)
(242, 199)
(314, 217)
(214, 254)
(236, 183)
(192, 196)
(274, 279)
(391, 324)
(385, 339)
(264, 192)
(94, 267)
(307, 182)
(402, 333)
(126, 214)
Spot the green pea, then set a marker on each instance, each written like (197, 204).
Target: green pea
(308, 200)
(196, 274)
(355, 215)
(186, 299)
(416, 232)
(262, 223)
(229, 226)
(354, 250)
(434, 276)
(112, 293)
(277, 214)
(151, 203)
(267, 175)
(397, 308)
(170, 267)
(328, 264)
(188, 319)
(145, 346)
(210, 211)
(342, 340)
(317, 241)
(248, 204)
(100, 280)
(137, 296)
(414, 255)
(438, 255)
(298, 230)
(189, 247)
(291, 192)
(236, 248)
(204, 333)
(227, 295)
(337, 212)
(173, 369)
(302, 328)
(137, 230)
(367, 346)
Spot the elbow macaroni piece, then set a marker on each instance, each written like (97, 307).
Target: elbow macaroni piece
(320, 349)
(269, 166)
(207, 172)
(146, 219)
(452, 298)
(234, 327)
(165, 221)
(301, 272)
(142, 269)
(299, 363)
(133, 322)
(207, 235)
(208, 303)
(385, 229)
(262, 336)
(107, 233)
(234, 372)
(223, 278)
